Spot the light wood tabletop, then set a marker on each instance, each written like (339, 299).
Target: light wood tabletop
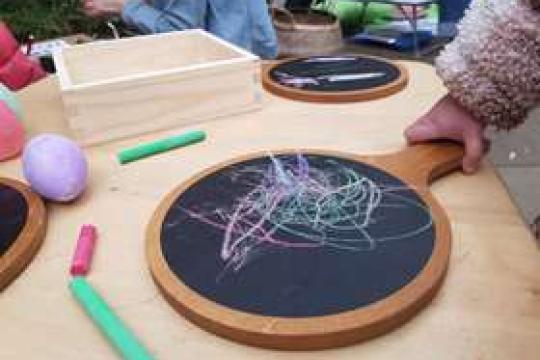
(488, 306)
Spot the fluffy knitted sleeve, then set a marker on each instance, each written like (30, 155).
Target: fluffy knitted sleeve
(493, 66)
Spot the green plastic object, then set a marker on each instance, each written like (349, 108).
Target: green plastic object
(350, 12)
(110, 325)
(11, 101)
(156, 147)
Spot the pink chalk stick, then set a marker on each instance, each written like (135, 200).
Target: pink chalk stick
(82, 258)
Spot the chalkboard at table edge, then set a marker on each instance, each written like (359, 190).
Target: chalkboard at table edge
(20, 253)
(302, 333)
(292, 93)
(13, 216)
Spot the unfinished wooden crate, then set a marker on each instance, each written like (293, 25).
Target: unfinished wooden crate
(119, 88)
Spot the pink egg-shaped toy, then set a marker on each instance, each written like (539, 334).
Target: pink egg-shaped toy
(11, 133)
(55, 167)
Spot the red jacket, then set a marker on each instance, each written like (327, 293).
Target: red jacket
(16, 70)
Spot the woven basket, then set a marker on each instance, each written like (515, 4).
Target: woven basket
(306, 32)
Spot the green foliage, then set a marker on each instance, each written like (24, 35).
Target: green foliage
(47, 19)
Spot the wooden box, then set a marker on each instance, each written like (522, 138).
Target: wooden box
(119, 88)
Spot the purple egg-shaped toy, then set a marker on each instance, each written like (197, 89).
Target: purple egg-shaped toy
(55, 167)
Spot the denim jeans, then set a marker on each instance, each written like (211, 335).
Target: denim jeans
(451, 12)
(245, 23)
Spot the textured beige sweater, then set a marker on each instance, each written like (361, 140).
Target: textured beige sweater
(493, 66)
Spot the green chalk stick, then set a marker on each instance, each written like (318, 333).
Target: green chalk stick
(113, 328)
(156, 147)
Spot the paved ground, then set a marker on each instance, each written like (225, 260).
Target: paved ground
(517, 157)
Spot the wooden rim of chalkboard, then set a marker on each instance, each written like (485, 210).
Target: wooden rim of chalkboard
(334, 96)
(327, 331)
(29, 240)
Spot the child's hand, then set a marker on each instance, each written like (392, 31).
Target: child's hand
(96, 8)
(449, 120)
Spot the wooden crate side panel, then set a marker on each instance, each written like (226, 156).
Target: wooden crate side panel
(115, 111)
(119, 58)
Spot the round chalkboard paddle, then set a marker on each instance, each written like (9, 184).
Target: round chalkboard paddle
(334, 79)
(22, 228)
(304, 249)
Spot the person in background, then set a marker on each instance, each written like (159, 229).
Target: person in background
(492, 73)
(245, 23)
(450, 12)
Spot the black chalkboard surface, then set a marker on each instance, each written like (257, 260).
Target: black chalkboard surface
(334, 78)
(13, 214)
(335, 73)
(23, 221)
(297, 235)
(304, 250)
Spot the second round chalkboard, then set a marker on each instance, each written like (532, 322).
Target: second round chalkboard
(334, 78)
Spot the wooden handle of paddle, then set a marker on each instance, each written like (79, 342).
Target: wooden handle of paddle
(424, 163)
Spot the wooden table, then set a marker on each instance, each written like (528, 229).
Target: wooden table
(488, 307)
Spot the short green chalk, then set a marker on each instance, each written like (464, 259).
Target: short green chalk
(156, 147)
(111, 326)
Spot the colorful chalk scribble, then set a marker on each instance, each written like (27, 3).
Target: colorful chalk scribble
(294, 205)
